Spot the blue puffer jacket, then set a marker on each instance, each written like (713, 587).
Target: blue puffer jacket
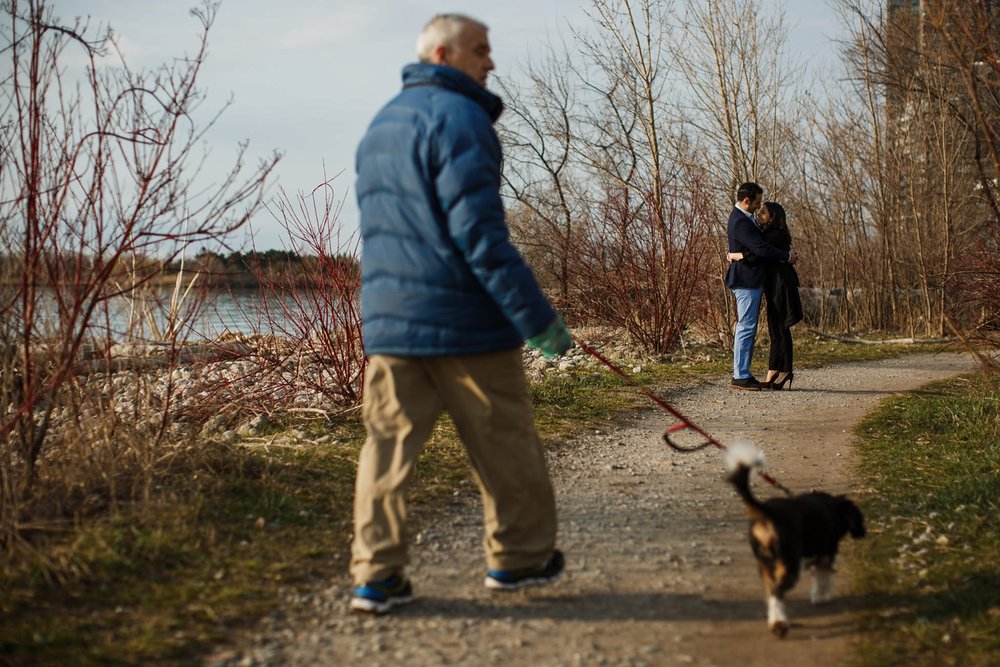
(439, 275)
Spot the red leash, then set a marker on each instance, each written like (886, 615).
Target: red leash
(682, 424)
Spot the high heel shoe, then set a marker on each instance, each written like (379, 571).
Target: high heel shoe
(771, 377)
(779, 385)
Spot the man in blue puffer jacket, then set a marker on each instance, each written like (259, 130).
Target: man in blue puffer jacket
(446, 303)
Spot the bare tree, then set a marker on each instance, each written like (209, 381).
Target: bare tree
(739, 102)
(927, 144)
(890, 179)
(590, 161)
(306, 355)
(843, 199)
(98, 169)
(969, 33)
(624, 276)
(538, 132)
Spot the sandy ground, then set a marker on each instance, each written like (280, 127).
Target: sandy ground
(658, 568)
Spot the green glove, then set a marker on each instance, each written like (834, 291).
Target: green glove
(552, 342)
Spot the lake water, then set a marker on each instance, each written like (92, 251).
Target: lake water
(206, 315)
(244, 311)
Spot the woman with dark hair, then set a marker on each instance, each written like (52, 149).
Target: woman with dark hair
(781, 287)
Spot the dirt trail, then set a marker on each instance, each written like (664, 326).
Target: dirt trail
(658, 568)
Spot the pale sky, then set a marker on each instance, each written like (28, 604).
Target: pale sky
(308, 75)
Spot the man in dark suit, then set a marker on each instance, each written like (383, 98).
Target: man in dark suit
(746, 280)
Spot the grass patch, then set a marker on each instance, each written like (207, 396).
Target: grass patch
(812, 351)
(584, 398)
(932, 459)
(162, 583)
(231, 528)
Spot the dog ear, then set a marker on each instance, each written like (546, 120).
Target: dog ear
(852, 517)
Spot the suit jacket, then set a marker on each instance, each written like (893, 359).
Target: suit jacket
(746, 237)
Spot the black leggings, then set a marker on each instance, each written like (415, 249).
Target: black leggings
(781, 339)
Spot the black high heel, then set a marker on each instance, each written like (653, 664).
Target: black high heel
(778, 386)
(766, 384)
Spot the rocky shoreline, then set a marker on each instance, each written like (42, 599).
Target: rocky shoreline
(211, 388)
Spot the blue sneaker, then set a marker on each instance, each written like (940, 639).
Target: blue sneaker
(512, 580)
(378, 597)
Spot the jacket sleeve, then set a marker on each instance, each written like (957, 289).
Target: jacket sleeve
(749, 236)
(468, 189)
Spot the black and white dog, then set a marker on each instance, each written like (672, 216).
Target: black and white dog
(786, 533)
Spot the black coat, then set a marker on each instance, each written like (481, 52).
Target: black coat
(781, 282)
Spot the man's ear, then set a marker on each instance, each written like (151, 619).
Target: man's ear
(439, 56)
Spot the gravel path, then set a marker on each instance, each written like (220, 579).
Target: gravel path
(658, 568)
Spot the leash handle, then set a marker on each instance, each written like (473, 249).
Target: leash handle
(683, 422)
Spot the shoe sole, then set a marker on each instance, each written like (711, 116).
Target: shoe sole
(497, 585)
(366, 606)
(736, 386)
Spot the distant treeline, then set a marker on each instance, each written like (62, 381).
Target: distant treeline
(250, 269)
(235, 269)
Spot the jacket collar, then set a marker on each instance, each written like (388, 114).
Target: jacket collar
(427, 74)
(748, 214)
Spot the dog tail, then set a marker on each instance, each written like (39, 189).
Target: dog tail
(741, 458)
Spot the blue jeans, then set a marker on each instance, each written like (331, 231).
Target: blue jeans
(747, 310)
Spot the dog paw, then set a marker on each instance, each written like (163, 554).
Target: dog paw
(780, 629)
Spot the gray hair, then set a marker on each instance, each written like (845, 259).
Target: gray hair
(443, 29)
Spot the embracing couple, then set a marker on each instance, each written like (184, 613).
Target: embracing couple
(760, 262)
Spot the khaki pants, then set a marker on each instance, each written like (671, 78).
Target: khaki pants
(487, 397)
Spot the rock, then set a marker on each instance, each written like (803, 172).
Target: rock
(213, 425)
(540, 364)
(254, 426)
